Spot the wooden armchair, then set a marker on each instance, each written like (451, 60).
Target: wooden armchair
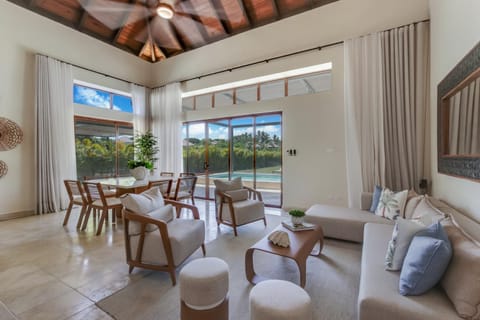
(237, 205)
(157, 241)
(164, 185)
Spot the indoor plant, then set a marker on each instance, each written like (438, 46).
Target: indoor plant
(297, 216)
(145, 150)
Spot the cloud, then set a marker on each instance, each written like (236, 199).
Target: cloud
(92, 97)
(271, 130)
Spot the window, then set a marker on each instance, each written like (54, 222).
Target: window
(203, 102)
(246, 94)
(224, 98)
(101, 99)
(272, 90)
(102, 147)
(187, 104)
(309, 84)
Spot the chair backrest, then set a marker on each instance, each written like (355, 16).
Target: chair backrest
(164, 185)
(187, 174)
(94, 192)
(166, 174)
(185, 184)
(74, 188)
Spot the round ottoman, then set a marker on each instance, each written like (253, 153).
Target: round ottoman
(278, 300)
(204, 289)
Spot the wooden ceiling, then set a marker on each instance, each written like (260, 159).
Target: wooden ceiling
(134, 26)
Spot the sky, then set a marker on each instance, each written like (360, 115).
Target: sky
(101, 99)
(197, 130)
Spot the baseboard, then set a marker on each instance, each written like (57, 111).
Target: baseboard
(15, 215)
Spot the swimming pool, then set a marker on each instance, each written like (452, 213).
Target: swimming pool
(248, 176)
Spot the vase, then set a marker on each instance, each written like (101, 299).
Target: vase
(297, 220)
(139, 173)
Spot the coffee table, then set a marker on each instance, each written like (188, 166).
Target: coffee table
(301, 246)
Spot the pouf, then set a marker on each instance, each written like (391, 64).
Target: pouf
(278, 300)
(204, 289)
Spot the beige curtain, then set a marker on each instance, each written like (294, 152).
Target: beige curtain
(386, 102)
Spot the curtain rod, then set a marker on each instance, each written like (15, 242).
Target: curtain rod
(263, 61)
(94, 71)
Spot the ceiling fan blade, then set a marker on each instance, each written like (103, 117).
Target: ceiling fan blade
(111, 13)
(160, 31)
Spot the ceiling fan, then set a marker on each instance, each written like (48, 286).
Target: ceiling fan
(154, 13)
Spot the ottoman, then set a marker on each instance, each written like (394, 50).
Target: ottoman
(204, 290)
(279, 300)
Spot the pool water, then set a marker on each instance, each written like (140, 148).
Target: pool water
(248, 176)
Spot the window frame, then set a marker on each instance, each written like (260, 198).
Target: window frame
(111, 93)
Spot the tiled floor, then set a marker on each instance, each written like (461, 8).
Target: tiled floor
(48, 271)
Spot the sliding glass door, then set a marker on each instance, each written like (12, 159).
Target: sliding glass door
(249, 147)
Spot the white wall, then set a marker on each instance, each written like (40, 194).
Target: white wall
(23, 34)
(313, 125)
(331, 23)
(455, 29)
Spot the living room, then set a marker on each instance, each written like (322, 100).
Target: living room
(318, 174)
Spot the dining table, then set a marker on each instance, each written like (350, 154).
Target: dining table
(129, 184)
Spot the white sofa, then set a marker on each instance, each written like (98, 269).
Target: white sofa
(379, 296)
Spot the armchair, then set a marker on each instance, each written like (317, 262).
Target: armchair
(154, 239)
(236, 205)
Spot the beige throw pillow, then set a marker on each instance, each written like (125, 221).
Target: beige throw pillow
(238, 195)
(411, 205)
(461, 281)
(391, 204)
(426, 213)
(226, 185)
(144, 202)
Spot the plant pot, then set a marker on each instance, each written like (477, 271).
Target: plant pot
(297, 220)
(139, 173)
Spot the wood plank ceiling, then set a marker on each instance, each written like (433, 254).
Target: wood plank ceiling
(134, 26)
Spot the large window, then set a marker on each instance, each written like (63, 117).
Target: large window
(101, 98)
(102, 147)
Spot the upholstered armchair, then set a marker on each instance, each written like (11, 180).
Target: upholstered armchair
(236, 204)
(154, 237)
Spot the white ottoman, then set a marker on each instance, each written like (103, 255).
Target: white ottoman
(204, 289)
(278, 300)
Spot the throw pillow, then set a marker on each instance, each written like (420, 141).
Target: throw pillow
(461, 281)
(426, 261)
(391, 205)
(403, 233)
(426, 213)
(144, 202)
(225, 185)
(411, 205)
(377, 192)
(238, 195)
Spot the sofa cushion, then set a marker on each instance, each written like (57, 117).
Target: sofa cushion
(461, 281)
(426, 260)
(403, 233)
(342, 223)
(378, 296)
(391, 204)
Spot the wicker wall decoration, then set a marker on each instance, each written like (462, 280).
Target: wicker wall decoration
(3, 168)
(11, 134)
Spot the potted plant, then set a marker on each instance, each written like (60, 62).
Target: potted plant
(297, 216)
(145, 150)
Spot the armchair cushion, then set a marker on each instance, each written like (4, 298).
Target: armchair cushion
(238, 195)
(245, 211)
(144, 202)
(223, 185)
(186, 236)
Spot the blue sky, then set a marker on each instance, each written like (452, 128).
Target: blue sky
(100, 99)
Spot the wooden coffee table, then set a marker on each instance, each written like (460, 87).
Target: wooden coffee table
(301, 246)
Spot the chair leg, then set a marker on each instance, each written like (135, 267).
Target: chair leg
(172, 276)
(102, 221)
(85, 219)
(193, 200)
(81, 217)
(235, 230)
(67, 214)
(265, 221)
(203, 249)
(130, 268)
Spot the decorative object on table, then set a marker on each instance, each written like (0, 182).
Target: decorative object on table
(145, 150)
(11, 134)
(279, 238)
(3, 168)
(297, 216)
(297, 227)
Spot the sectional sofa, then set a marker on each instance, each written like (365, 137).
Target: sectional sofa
(379, 296)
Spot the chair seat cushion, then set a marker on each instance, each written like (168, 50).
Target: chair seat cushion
(111, 202)
(245, 211)
(186, 236)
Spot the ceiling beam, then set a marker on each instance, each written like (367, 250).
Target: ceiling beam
(177, 36)
(202, 29)
(246, 13)
(276, 10)
(83, 16)
(221, 15)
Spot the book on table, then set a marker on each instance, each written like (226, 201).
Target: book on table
(298, 227)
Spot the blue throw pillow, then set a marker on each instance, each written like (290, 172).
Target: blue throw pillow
(426, 261)
(376, 198)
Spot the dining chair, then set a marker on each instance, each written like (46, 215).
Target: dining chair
(166, 174)
(98, 201)
(187, 174)
(184, 189)
(107, 191)
(77, 197)
(164, 185)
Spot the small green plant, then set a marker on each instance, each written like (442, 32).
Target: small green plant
(296, 213)
(145, 150)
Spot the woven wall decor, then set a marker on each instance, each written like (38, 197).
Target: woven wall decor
(3, 168)
(11, 134)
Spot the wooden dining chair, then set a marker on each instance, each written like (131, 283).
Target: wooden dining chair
(166, 174)
(164, 185)
(184, 189)
(98, 201)
(107, 190)
(77, 197)
(187, 174)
